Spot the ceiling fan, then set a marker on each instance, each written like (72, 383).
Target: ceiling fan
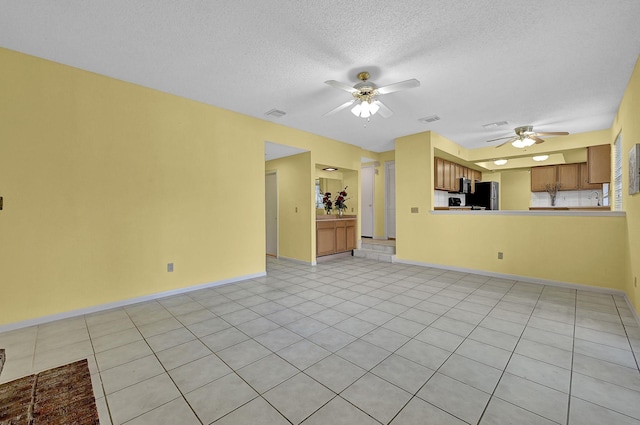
(525, 137)
(365, 96)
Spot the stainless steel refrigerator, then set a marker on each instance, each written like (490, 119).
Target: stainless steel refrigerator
(486, 195)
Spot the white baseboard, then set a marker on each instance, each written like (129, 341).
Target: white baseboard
(295, 260)
(116, 304)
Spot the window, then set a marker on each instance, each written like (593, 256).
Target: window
(617, 173)
(319, 195)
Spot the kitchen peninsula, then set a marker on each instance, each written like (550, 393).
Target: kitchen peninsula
(335, 234)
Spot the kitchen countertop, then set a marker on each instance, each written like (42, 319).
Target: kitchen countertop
(593, 208)
(462, 208)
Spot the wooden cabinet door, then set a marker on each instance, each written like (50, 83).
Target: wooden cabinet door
(351, 235)
(325, 238)
(541, 176)
(439, 174)
(584, 179)
(341, 236)
(568, 176)
(447, 175)
(599, 163)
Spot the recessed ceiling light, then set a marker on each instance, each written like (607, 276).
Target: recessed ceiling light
(330, 169)
(500, 161)
(541, 158)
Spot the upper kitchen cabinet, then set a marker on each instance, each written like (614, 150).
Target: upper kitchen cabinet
(568, 176)
(584, 179)
(599, 163)
(541, 176)
(447, 175)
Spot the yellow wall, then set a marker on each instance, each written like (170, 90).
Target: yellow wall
(627, 120)
(106, 182)
(296, 190)
(584, 250)
(515, 189)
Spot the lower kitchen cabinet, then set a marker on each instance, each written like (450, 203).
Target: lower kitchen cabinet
(335, 235)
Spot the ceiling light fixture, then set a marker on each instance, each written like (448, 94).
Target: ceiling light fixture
(500, 161)
(365, 108)
(330, 169)
(541, 158)
(523, 142)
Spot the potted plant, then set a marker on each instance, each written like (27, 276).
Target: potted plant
(340, 201)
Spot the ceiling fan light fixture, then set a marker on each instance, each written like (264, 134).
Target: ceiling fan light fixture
(500, 161)
(541, 158)
(373, 108)
(356, 109)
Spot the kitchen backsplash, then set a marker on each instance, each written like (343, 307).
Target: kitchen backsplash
(569, 198)
(441, 198)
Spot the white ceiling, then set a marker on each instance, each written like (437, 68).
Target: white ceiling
(558, 65)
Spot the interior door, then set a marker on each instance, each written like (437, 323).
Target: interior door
(366, 209)
(390, 199)
(271, 213)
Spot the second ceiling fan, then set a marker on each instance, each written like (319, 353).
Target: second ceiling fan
(365, 96)
(525, 137)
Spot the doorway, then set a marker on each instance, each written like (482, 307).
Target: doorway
(390, 199)
(271, 213)
(368, 175)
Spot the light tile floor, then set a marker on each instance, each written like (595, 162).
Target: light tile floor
(353, 341)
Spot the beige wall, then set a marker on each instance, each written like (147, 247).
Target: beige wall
(628, 122)
(106, 182)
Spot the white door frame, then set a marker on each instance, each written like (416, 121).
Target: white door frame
(275, 173)
(386, 197)
(373, 197)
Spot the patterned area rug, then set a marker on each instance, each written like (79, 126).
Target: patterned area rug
(62, 395)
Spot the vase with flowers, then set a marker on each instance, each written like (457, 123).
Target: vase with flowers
(327, 202)
(552, 190)
(339, 202)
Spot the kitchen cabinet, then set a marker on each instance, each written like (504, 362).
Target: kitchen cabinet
(447, 174)
(439, 174)
(584, 179)
(599, 164)
(541, 176)
(568, 176)
(335, 235)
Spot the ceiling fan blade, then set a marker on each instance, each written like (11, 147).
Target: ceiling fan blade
(500, 138)
(341, 86)
(340, 108)
(384, 111)
(403, 85)
(511, 139)
(551, 133)
(538, 140)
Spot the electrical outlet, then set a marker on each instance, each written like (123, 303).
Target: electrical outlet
(351, 209)
(414, 210)
(170, 267)
(635, 281)
(296, 209)
(500, 255)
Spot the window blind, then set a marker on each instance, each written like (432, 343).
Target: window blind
(617, 174)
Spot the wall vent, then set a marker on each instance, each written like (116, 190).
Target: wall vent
(432, 118)
(276, 113)
(496, 124)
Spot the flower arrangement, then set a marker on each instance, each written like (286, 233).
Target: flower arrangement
(340, 199)
(328, 204)
(552, 190)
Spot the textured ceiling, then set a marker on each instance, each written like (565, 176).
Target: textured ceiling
(559, 65)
